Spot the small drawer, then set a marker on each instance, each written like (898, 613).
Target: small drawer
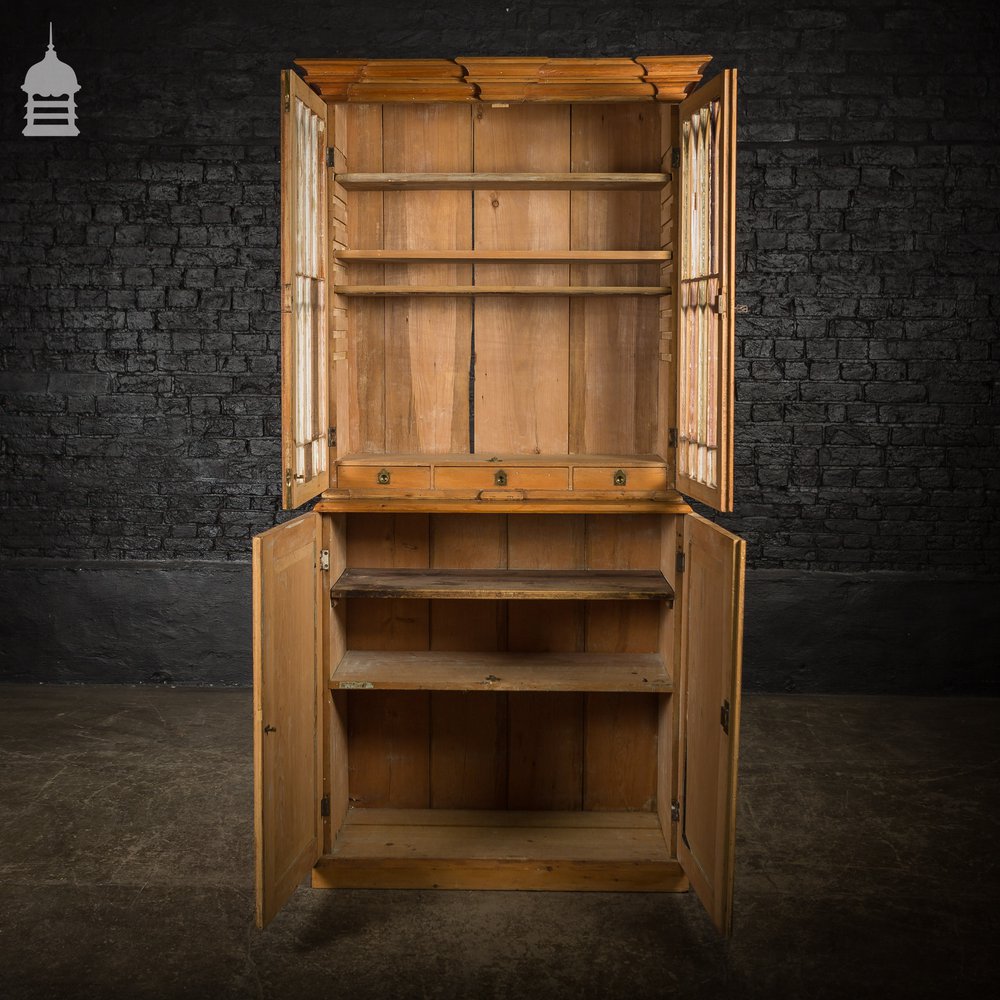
(623, 477)
(384, 477)
(500, 477)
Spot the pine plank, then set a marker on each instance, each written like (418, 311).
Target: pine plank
(470, 584)
(506, 256)
(460, 291)
(502, 180)
(613, 384)
(501, 671)
(428, 340)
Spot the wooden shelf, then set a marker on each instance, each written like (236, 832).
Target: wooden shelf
(504, 585)
(503, 181)
(387, 670)
(396, 290)
(506, 256)
(485, 848)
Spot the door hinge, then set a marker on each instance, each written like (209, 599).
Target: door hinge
(324, 806)
(675, 157)
(286, 297)
(324, 560)
(288, 91)
(675, 811)
(680, 562)
(288, 487)
(329, 156)
(720, 303)
(672, 437)
(724, 717)
(331, 437)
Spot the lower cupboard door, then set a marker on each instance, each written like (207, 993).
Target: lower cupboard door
(711, 652)
(286, 666)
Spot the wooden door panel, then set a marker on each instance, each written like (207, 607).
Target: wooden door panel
(305, 408)
(287, 681)
(705, 290)
(711, 611)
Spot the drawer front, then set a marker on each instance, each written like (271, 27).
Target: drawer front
(636, 478)
(384, 477)
(500, 477)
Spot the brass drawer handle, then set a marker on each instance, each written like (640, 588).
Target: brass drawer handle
(620, 478)
(500, 478)
(383, 477)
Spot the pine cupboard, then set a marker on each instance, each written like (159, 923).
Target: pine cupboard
(501, 650)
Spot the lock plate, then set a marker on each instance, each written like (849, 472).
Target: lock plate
(620, 477)
(383, 477)
(500, 478)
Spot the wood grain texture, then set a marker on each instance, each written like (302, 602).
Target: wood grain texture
(362, 426)
(428, 340)
(506, 179)
(521, 345)
(501, 671)
(288, 768)
(388, 732)
(613, 385)
(538, 291)
(712, 626)
(506, 256)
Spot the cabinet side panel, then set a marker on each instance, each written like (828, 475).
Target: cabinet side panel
(522, 344)
(366, 317)
(613, 382)
(621, 729)
(468, 729)
(388, 731)
(428, 345)
(546, 729)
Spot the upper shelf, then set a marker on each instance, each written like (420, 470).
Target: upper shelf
(505, 181)
(506, 256)
(399, 290)
(491, 584)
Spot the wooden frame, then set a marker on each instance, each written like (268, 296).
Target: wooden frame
(501, 634)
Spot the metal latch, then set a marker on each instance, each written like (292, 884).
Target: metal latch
(620, 477)
(499, 478)
(331, 437)
(383, 477)
(680, 562)
(672, 437)
(675, 157)
(324, 806)
(329, 156)
(675, 811)
(724, 717)
(324, 560)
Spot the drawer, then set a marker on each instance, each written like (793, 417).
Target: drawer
(494, 477)
(384, 477)
(641, 477)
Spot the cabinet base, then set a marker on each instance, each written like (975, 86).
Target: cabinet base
(486, 849)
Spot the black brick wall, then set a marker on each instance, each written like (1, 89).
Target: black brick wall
(139, 265)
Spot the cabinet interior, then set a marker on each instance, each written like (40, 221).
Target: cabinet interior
(566, 209)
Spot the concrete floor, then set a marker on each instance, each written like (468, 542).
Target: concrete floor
(867, 867)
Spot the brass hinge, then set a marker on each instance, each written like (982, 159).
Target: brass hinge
(324, 560)
(288, 487)
(675, 811)
(324, 806)
(724, 717)
(329, 156)
(720, 303)
(680, 562)
(672, 437)
(288, 91)
(675, 157)
(331, 437)
(286, 297)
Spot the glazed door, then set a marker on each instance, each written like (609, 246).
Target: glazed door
(711, 651)
(304, 269)
(705, 326)
(288, 777)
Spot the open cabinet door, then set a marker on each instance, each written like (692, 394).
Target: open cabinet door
(288, 777)
(711, 651)
(304, 269)
(705, 325)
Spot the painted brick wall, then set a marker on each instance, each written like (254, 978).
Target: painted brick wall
(139, 265)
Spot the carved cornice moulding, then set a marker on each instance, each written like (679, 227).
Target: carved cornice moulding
(505, 79)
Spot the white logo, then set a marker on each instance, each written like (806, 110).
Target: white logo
(50, 86)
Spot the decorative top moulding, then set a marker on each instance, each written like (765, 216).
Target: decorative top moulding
(506, 79)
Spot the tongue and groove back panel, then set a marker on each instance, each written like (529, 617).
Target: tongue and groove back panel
(549, 375)
(486, 750)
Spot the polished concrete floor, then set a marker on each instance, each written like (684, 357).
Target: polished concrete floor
(867, 867)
